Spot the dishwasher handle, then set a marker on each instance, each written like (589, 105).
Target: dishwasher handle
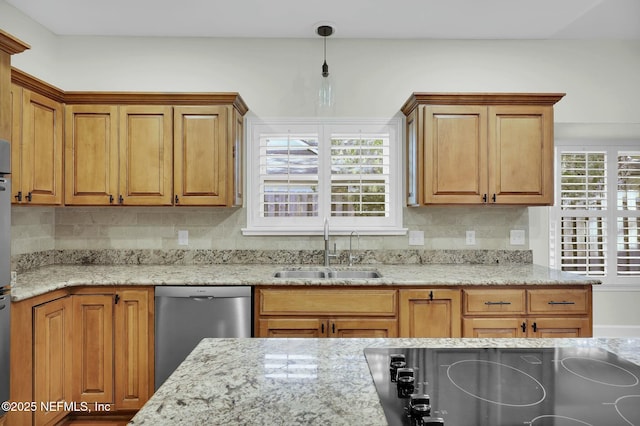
(203, 292)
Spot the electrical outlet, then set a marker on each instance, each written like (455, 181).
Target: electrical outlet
(183, 238)
(416, 238)
(471, 238)
(517, 237)
(14, 277)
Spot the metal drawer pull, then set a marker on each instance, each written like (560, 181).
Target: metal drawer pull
(497, 303)
(561, 303)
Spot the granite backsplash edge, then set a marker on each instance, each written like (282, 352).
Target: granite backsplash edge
(24, 262)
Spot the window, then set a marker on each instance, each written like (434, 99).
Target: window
(597, 211)
(301, 172)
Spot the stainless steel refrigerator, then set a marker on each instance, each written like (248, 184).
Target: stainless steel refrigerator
(5, 268)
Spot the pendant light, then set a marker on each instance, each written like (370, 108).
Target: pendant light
(325, 92)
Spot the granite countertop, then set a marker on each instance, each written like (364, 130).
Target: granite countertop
(48, 278)
(300, 381)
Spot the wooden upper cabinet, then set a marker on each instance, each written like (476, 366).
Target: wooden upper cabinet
(521, 154)
(37, 145)
(91, 154)
(455, 140)
(146, 157)
(203, 158)
(480, 148)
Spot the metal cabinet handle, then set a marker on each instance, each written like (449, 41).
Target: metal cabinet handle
(535, 327)
(523, 326)
(561, 303)
(28, 197)
(19, 196)
(322, 328)
(493, 198)
(110, 199)
(484, 198)
(497, 303)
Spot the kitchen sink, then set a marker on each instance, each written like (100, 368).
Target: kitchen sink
(299, 274)
(353, 274)
(328, 274)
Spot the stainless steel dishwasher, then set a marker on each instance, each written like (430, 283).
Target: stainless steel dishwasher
(187, 314)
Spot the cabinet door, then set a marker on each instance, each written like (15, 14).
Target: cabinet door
(16, 143)
(203, 161)
(93, 348)
(133, 348)
(146, 156)
(494, 327)
(41, 172)
(52, 358)
(455, 154)
(363, 327)
(430, 313)
(91, 154)
(292, 327)
(559, 327)
(521, 154)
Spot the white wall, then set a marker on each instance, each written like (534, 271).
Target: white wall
(373, 78)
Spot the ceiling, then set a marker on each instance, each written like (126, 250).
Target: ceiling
(421, 19)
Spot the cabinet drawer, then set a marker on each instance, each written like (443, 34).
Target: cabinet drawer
(493, 301)
(567, 301)
(327, 302)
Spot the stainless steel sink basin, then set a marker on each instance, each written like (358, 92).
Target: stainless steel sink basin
(353, 274)
(299, 274)
(328, 274)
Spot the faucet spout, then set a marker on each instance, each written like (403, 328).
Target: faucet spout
(351, 256)
(327, 250)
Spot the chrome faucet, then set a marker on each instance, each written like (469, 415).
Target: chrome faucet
(352, 257)
(327, 251)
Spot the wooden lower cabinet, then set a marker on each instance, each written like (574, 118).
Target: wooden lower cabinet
(134, 343)
(318, 327)
(429, 313)
(519, 312)
(83, 345)
(326, 312)
(52, 360)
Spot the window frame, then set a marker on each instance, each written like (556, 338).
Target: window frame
(610, 214)
(313, 225)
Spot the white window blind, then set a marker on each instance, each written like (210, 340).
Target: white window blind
(346, 171)
(360, 175)
(598, 212)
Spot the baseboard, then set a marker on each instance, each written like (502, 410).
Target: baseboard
(616, 331)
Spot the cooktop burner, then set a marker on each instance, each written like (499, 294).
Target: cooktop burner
(505, 386)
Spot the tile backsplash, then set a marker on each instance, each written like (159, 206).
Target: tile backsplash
(40, 229)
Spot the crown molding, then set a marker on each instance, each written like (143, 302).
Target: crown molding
(422, 98)
(11, 44)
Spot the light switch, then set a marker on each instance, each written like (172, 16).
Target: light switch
(183, 238)
(517, 237)
(416, 238)
(471, 238)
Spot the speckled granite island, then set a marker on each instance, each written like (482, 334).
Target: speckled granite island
(301, 381)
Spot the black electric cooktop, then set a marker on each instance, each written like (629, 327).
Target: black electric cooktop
(505, 386)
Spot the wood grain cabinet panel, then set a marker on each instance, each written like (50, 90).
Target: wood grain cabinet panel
(203, 156)
(325, 312)
(559, 301)
(498, 302)
(146, 155)
(133, 348)
(91, 154)
(52, 358)
(430, 313)
(93, 348)
(37, 148)
(491, 328)
(480, 148)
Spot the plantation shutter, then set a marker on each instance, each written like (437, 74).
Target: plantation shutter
(628, 214)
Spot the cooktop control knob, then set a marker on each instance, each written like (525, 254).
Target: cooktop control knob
(405, 382)
(431, 421)
(396, 361)
(419, 407)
